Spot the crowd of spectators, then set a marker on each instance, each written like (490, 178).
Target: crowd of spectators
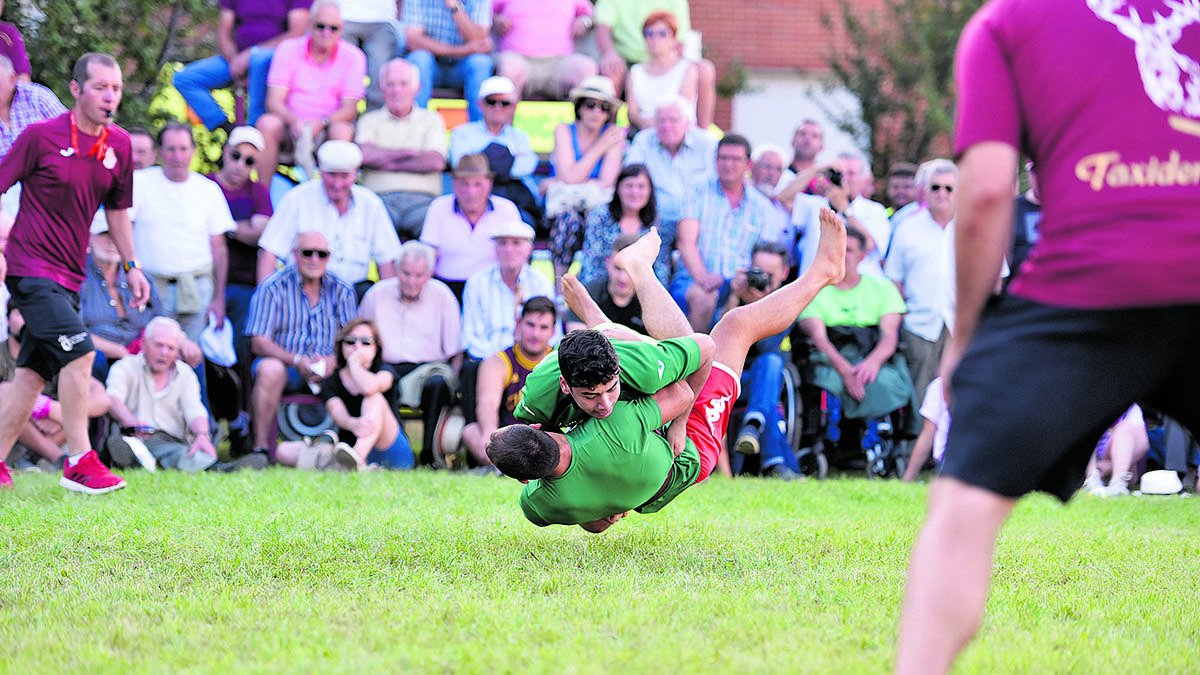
(369, 287)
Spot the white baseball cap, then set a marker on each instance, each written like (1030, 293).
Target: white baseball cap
(246, 135)
(496, 85)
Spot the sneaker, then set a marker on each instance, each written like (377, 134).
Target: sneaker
(90, 476)
(347, 458)
(327, 437)
(1118, 486)
(747, 440)
(5, 476)
(254, 461)
(1094, 485)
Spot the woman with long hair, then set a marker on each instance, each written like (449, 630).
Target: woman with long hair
(632, 209)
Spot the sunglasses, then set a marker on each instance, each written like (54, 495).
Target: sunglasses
(364, 341)
(237, 156)
(935, 187)
(590, 104)
(314, 252)
(333, 28)
(503, 103)
(656, 32)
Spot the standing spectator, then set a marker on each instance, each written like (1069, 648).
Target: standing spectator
(509, 153)
(915, 264)
(45, 254)
(350, 216)
(664, 74)
(21, 102)
(807, 142)
(537, 45)
(12, 46)
(459, 225)
(247, 33)
(145, 148)
(180, 219)
(404, 150)
(422, 324)
(902, 191)
(294, 315)
(678, 155)
(723, 219)
(370, 26)
(449, 42)
(313, 90)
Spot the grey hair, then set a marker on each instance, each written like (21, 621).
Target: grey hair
(6, 65)
(764, 148)
(858, 157)
(417, 250)
(680, 103)
(321, 3)
(933, 167)
(161, 322)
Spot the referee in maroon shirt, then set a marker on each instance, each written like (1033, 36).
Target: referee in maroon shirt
(68, 166)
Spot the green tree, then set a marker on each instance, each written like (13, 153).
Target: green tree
(899, 62)
(144, 35)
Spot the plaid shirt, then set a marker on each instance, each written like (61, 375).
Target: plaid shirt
(279, 311)
(31, 103)
(674, 176)
(438, 22)
(727, 234)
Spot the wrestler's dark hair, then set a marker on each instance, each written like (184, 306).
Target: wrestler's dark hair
(80, 72)
(523, 453)
(587, 359)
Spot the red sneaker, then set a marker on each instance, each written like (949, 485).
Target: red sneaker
(90, 476)
(5, 476)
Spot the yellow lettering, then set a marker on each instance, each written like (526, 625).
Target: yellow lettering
(1105, 169)
(1093, 168)
(1118, 175)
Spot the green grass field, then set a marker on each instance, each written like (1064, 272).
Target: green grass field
(438, 572)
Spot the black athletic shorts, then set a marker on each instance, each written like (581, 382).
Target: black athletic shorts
(54, 333)
(1040, 384)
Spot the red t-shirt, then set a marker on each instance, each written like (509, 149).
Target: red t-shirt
(60, 195)
(1114, 140)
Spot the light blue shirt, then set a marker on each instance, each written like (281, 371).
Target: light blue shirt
(473, 137)
(490, 309)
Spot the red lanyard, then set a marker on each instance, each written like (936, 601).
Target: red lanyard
(98, 149)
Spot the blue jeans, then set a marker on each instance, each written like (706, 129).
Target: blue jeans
(762, 382)
(378, 42)
(197, 80)
(466, 74)
(237, 308)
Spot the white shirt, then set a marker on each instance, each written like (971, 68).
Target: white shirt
(173, 223)
(874, 217)
(916, 261)
(363, 233)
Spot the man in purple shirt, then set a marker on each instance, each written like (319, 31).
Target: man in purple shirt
(1104, 310)
(69, 166)
(247, 32)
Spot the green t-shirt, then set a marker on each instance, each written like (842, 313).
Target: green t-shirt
(626, 17)
(646, 367)
(863, 305)
(617, 464)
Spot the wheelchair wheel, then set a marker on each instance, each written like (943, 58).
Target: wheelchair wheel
(813, 463)
(789, 399)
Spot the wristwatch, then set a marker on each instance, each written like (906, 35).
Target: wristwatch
(132, 264)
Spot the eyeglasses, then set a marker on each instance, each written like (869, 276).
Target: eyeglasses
(502, 102)
(332, 28)
(656, 32)
(366, 341)
(237, 156)
(317, 252)
(935, 187)
(590, 104)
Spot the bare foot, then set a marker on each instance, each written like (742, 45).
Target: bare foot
(581, 303)
(831, 251)
(645, 249)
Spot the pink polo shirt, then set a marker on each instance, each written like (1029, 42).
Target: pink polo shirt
(317, 90)
(540, 27)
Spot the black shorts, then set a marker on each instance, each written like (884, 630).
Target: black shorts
(1040, 384)
(54, 333)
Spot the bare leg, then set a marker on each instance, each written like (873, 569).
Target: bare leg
(949, 575)
(745, 325)
(581, 302)
(74, 384)
(384, 426)
(473, 438)
(269, 381)
(663, 317)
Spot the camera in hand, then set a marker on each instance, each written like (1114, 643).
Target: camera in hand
(833, 176)
(758, 279)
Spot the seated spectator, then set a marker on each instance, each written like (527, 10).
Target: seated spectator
(180, 219)
(247, 34)
(449, 42)
(902, 191)
(1117, 455)
(351, 217)
(12, 47)
(510, 156)
(762, 377)
(678, 156)
(586, 160)
(421, 322)
(665, 73)
(723, 220)
(105, 303)
(613, 292)
(633, 210)
(459, 225)
(313, 90)
(404, 150)
(370, 25)
(853, 360)
(294, 315)
(21, 102)
(359, 398)
(766, 170)
(537, 45)
(156, 398)
(502, 375)
(144, 148)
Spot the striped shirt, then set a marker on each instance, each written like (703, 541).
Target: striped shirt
(438, 22)
(280, 312)
(674, 176)
(490, 308)
(728, 234)
(31, 103)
